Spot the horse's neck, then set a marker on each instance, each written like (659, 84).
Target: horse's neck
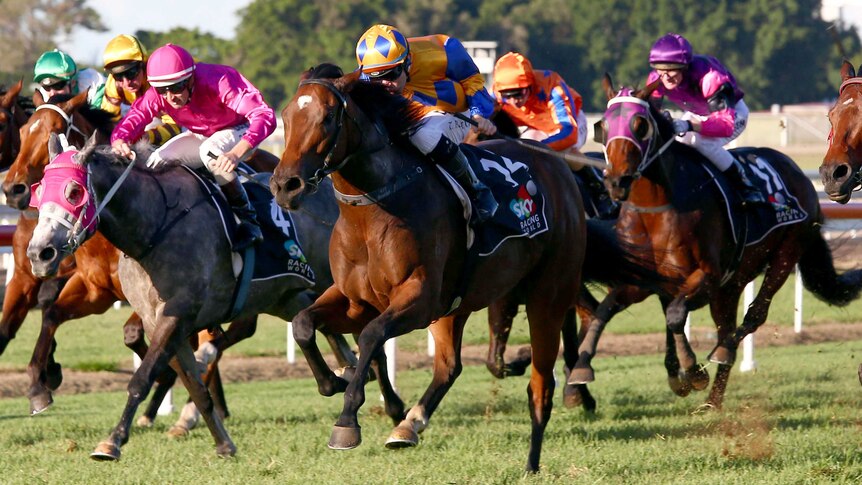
(370, 172)
(134, 213)
(647, 193)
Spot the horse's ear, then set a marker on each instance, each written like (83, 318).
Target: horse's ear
(646, 92)
(608, 85)
(55, 147)
(11, 94)
(345, 83)
(847, 70)
(75, 103)
(83, 156)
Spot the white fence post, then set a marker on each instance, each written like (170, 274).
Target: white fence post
(167, 405)
(431, 348)
(291, 344)
(748, 364)
(797, 305)
(389, 349)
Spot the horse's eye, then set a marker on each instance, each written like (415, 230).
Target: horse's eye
(641, 127)
(330, 115)
(74, 193)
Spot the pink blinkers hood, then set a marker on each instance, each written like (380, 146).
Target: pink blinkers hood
(59, 174)
(620, 115)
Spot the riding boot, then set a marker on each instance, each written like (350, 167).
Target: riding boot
(449, 156)
(750, 194)
(248, 232)
(605, 207)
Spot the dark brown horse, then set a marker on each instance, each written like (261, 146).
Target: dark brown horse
(695, 244)
(14, 111)
(398, 251)
(840, 170)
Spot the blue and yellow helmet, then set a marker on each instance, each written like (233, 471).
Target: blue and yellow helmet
(380, 48)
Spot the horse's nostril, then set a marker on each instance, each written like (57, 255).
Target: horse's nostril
(19, 189)
(47, 254)
(292, 184)
(841, 172)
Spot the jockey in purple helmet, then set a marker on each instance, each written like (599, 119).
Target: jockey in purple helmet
(714, 112)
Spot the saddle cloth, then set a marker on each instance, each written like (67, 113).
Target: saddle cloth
(693, 179)
(522, 204)
(280, 254)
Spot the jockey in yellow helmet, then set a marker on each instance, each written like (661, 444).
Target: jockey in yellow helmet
(437, 71)
(125, 60)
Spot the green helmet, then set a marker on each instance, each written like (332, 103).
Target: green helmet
(54, 65)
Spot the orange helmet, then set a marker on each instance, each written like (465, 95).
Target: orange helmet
(513, 71)
(380, 48)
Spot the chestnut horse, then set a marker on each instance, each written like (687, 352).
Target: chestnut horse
(696, 245)
(14, 111)
(399, 257)
(840, 170)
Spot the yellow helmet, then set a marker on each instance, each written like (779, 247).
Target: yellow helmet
(380, 48)
(123, 49)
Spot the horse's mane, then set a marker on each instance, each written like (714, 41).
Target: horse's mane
(142, 150)
(394, 111)
(100, 119)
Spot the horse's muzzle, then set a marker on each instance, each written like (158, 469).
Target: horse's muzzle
(288, 191)
(839, 180)
(619, 187)
(44, 261)
(17, 196)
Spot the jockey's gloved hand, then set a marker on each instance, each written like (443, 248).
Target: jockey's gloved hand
(154, 160)
(681, 126)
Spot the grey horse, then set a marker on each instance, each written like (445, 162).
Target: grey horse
(177, 272)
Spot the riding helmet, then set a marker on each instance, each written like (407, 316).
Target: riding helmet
(671, 51)
(513, 71)
(380, 48)
(122, 52)
(53, 66)
(169, 64)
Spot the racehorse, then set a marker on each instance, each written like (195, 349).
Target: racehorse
(840, 170)
(176, 280)
(14, 111)
(399, 257)
(691, 239)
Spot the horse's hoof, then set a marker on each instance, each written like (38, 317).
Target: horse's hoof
(106, 451)
(144, 422)
(680, 387)
(344, 438)
(40, 403)
(582, 375)
(178, 432)
(54, 376)
(722, 355)
(572, 397)
(226, 450)
(698, 378)
(402, 437)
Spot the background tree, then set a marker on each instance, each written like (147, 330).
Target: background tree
(204, 46)
(30, 27)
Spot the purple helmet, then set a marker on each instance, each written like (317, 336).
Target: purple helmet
(671, 51)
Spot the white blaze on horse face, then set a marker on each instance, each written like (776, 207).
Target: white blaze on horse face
(303, 101)
(848, 101)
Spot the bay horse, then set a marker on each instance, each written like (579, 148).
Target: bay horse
(840, 170)
(182, 282)
(14, 111)
(399, 257)
(695, 245)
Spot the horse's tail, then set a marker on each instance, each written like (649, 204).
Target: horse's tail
(609, 261)
(819, 275)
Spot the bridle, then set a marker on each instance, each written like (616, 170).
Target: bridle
(341, 110)
(856, 177)
(649, 147)
(69, 119)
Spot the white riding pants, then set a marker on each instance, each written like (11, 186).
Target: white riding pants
(713, 148)
(426, 134)
(194, 150)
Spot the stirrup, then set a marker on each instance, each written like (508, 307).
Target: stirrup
(247, 234)
(484, 206)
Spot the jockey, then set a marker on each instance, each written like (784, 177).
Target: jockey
(715, 113)
(438, 72)
(56, 73)
(124, 60)
(225, 115)
(550, 111)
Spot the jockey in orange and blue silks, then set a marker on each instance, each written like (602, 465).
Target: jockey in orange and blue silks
(549, 111)
(541, 101)
(714, 112)
(436, 71)
(225, 115)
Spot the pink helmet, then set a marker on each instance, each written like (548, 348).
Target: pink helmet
(169, 64)
(671, 51)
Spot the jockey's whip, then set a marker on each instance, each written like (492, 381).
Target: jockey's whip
(573, 160)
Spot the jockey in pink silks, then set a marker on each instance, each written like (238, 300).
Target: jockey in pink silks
(706, 91)
(225, 117)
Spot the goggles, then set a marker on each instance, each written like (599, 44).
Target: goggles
(176, 88)
(56, 86)
(130, 73)
(514, 93)
(388, 75)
